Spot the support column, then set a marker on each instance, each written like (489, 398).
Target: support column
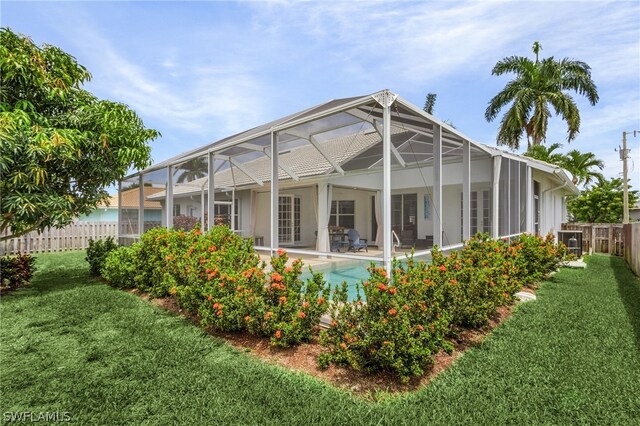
(529, 201)
(274, 192)
(322, 241)
(466, 191)
(233, 209)
(386, 186)
(495, 198)
(437, 185)
(211, 191)
(202, 204)
(140, 205)
(169, 200)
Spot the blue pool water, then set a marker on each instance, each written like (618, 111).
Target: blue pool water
(351, 272)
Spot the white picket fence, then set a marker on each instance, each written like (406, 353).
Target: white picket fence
(74, 237)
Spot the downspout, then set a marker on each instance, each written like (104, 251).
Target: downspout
(555, 172)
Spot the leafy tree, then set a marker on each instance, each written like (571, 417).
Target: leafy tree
(538, 85)
(60, 145)
(193, 169)
(582, 166)
(601, 203)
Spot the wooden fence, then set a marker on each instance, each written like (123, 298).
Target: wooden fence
(599, 237)
(73, 237)
(632, 246)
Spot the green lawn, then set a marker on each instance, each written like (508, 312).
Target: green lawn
(70, 343)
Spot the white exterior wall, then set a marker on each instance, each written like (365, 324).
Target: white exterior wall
(553, 210)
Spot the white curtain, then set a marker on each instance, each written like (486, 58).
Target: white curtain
(380, 233)
(254, 212)
(325, 195)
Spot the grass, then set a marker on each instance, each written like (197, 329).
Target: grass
(71, 343)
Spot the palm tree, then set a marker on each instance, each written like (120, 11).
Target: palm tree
(581, 165)
(193, 169)
(539, 84)
(541, 152)
(430, 103)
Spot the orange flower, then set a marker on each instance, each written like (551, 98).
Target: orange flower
(278, 334)
(443, 268)
(383, 272)
(419, 327)
(268, 315)
(276, 277)
(212, 248)
(301, 315)
(173, 291)
(281, 252)
(217, 306)
(282, 300)
(382, 287)
(305, 304)
(392, 290)
(320, 300)
(334, 324)
(405, 307)
(219, 313)
(453, 282)
(392, 312)
(288, 269)
(247, 318)
(343, 345)
(209, 297)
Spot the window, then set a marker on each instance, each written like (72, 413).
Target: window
(236, 214)
(374, 221)
(343, 214)
(486, 210)
(176, 209)
(479, 213)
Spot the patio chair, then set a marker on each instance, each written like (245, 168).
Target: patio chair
(355, 242)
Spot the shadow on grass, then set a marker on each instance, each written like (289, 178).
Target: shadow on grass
(629, 290)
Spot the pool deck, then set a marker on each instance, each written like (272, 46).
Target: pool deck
(322, 261)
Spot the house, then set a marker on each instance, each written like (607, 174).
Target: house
(375, 163)
(108, 211)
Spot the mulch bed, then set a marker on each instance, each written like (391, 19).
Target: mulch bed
(303, 358)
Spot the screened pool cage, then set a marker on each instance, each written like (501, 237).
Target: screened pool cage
(378, 164)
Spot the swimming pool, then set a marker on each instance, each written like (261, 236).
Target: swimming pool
(352, 272)
(336, 273)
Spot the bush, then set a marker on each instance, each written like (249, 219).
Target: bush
(400, 328)
(97, 253)
(538, 257)
(291, 308)
(220, 277)
(17, 271)
(406, 317)
(121, 266)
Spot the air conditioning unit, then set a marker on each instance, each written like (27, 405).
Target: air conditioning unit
(573, 241)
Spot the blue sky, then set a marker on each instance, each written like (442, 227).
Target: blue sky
(200, 71)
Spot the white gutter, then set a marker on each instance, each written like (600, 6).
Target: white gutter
(564, 183)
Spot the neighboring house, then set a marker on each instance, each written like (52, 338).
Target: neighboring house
(375, 163)
(634, 213)
(108, 211)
